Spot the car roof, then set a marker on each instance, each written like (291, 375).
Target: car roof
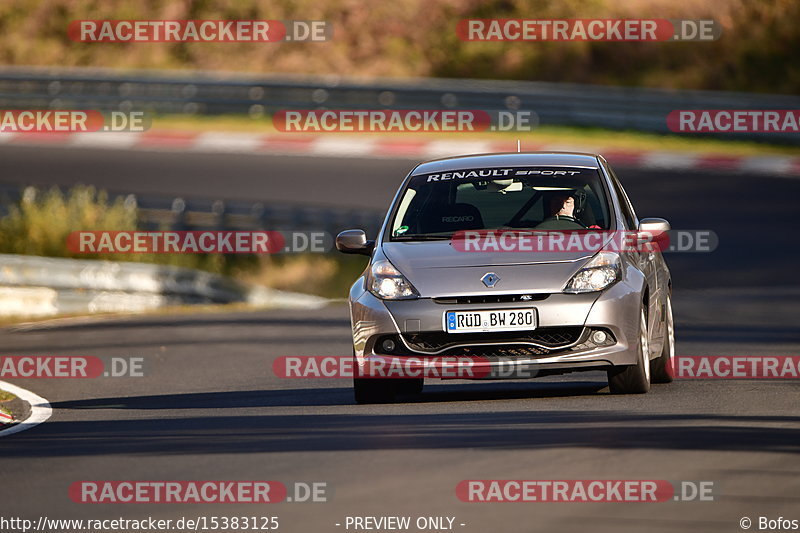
(511, 159)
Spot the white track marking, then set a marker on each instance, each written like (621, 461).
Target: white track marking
(40, 408)
(227, 142)
(668, 160)
(448, 148)
(767, 164)
(343, 146)
(352, 146)
(120, 140)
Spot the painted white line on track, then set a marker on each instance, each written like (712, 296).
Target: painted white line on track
(449, 148)
(343, 146)
(767, 164)
(40, 409)
(226, 142)
(370, 148)
(96, 139)
(668, 160)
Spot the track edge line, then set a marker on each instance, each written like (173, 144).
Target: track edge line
(40, 409)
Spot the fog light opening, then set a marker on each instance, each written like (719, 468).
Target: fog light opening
(388, 345)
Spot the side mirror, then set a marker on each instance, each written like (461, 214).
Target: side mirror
(654, 225)
(354, 241)
(655, 230)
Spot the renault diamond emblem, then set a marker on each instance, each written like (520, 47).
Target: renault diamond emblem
(490, 279)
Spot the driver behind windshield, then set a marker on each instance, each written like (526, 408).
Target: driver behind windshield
(562, 214)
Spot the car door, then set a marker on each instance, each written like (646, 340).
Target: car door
(647, 260)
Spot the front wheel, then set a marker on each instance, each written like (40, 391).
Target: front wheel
(662, 368)
(410, 385)
(374, 390)
(634, 379)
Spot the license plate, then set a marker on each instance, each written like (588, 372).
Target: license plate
(489, 320)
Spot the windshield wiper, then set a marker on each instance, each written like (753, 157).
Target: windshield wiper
(422, 237)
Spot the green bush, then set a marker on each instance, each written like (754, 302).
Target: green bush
(40, 222)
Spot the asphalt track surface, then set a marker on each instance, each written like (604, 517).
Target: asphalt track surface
(209, 406)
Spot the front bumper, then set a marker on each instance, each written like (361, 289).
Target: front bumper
(560, 343)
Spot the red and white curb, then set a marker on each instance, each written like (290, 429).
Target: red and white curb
(361, 147)
(40, 409)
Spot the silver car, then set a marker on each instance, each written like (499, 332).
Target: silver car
(451, 289)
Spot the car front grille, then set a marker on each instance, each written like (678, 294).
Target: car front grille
(541, 341)
(490, 299)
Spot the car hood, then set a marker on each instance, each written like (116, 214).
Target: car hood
(437, 269)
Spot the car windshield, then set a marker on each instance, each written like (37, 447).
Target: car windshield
(435, 206)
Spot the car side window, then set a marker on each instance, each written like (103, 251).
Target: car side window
(625, 204)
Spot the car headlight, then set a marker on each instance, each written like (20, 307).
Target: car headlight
(602, 271)
(387, 283)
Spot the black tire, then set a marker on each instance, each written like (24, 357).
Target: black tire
(374, 390)
(409, 385)
(382, 390)
(661, 369)
(633, 379)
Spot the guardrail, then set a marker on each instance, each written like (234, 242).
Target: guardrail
(567, 104)
(184, 213)
(42, 286)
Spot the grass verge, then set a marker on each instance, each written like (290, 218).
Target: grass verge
(6, 396)
(328, 275)
(40, 222)
(4, 413)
